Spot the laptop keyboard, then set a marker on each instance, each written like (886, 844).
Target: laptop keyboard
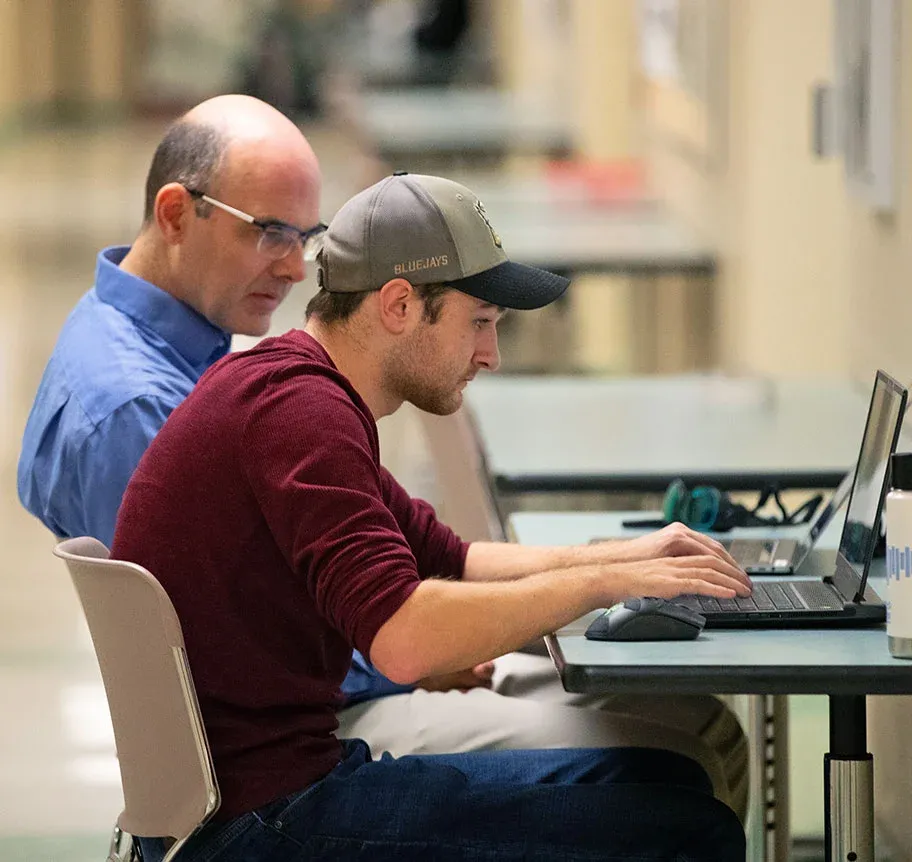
(771, 596)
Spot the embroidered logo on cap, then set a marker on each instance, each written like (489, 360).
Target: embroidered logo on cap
(479, 208)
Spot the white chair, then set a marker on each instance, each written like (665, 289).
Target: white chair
(166, 769)
(469, 505)
(468, 502)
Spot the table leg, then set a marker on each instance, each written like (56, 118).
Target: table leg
(848, 775)
(768, 819)
(778, 823)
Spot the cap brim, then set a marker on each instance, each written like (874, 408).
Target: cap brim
(513, 285)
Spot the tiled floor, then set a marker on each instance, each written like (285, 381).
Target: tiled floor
(66, 194)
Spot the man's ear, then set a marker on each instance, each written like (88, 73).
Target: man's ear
(173, 207)
(400, 306)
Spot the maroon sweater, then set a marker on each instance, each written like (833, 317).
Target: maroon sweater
(262, 508)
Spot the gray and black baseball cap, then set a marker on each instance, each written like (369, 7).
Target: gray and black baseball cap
(427, 230)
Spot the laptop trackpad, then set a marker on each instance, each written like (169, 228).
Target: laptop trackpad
(819, 563)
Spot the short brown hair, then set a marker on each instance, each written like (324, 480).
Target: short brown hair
(331, 308)
(191, 154)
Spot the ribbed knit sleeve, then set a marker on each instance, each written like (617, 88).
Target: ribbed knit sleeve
(438, 550)
(310, 454)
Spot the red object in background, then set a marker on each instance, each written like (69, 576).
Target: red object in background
(615, 181)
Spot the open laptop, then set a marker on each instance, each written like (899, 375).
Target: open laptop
(843, 597)
(771, 556)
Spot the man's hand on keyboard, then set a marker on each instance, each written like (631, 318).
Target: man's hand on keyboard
(675, 540)
(670, 577)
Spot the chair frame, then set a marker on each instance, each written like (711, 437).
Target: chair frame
(105, 585)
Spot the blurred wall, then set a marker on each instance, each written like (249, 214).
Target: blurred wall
(811, 279)
(60, 58)
(778, 217)
(531, 39)
(9, 61)
(880, 262)
(192, 49)
(578, 53)
(27, 57)
(602, 63)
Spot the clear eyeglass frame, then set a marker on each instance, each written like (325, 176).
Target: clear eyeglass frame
(276, 240)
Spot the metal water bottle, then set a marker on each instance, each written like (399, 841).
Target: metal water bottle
(899, 556)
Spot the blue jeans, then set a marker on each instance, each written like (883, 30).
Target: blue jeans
(631, 804)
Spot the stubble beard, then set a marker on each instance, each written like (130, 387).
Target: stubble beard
(407, 372)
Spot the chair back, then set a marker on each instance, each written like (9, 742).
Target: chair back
(169, 783)
(468, 502)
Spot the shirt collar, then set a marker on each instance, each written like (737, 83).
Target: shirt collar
(185, 329)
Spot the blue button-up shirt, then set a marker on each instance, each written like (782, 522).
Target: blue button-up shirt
(128, 354)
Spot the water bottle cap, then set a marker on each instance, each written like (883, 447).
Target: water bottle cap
(901, 471)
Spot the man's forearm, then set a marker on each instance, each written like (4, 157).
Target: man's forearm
(445, 626)
(503, 561)
(499, 561)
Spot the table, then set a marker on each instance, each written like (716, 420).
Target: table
(607, 240)
(574, 434)
(642, 264)
(573, 189)
(766, 717)
(569, 227)
(632, 248)
(401, 124)
(844, 664)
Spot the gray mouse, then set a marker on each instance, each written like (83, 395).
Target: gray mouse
(647, 619)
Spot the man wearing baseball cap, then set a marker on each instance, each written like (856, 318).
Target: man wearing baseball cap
(263, 509)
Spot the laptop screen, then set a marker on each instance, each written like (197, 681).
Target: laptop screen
(862, 524)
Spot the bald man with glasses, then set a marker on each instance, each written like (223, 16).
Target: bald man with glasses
(231, 221)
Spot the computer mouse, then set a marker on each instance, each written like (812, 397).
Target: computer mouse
(647, 619)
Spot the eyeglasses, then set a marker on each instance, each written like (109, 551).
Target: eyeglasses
(276, 238)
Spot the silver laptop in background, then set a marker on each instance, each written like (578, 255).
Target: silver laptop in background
(783, 556)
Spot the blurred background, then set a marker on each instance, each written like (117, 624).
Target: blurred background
(726, 180)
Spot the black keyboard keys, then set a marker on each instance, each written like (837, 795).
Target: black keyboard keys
(778, 596)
